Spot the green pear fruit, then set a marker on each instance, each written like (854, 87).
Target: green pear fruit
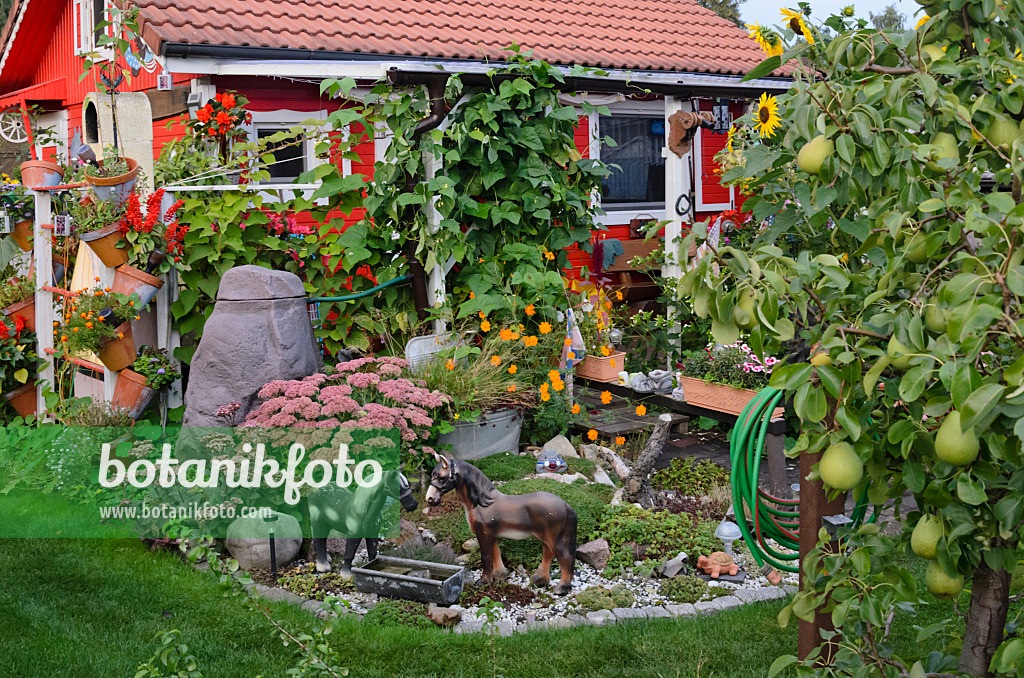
(947, 147)
(940, 584)
(812, 156)
(954, 446)
(1003, 132)
(840, 468)
(936, 319)
(917, 248)
(897, 350)
(925, 537)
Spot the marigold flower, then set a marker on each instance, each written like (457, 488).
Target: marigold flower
(97, 278)
(511, 388)
(106, 289)
(449, 364)
(485, 326)
(592, 434)
(530, 309)
(74, 329)
(641, 410)
(64, 338)
(120, 335)
(56, 324)
(575, 409)
(605, 352)
(495, 360)
(545, 327)
(88, 326)
(606, 397)
(512, 369)
(620, 441)
(545, 396)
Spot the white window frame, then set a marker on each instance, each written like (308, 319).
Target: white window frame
(84, 29)
(617, 215)
(698, 181)
(284, 120)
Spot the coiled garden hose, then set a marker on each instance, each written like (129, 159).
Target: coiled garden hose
(771, 517)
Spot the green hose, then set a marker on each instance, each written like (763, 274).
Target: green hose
(359, 295)
(771, 517)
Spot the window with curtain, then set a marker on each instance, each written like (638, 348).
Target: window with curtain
(640, 176)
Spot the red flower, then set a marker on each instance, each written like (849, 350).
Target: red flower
(227, 101)
(4, 331)
(19, 325)
(224, 119)
(204, 113)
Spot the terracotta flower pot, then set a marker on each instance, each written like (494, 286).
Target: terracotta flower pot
(115, 188)
(128, 280)
(132, 393)
(602, 368)
(104, 243)
(22, 234)
(119, 352)
(40, 173)
(26, 308)
(23, 399)
(719, 397)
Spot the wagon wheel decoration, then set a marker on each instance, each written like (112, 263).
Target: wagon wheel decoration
(12, 126)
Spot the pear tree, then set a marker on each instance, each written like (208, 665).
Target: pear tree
(890, 268)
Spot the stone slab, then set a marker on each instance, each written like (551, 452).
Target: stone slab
(599, 617)
(628, 613)
(727, 602)
(684, 610)
(656, 612)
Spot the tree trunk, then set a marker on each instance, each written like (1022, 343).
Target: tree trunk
(986, 617)
(638, 486)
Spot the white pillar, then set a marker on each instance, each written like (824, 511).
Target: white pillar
(679, 200)
(43, 254)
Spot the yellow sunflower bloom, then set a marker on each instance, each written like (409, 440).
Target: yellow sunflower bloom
(768, 39)
(767, 115)
(795, 22)
(922, 21)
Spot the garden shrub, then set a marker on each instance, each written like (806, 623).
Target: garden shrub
(589, 502)
(637, 534)
(691, 478)
(391, 612)
(601, 598)
(506, 466)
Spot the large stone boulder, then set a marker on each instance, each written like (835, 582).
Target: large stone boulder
(595, 553)
(259, 331)
(248, 541)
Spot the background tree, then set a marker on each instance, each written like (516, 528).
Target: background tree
(895, 162)
(727, 9)
(890, 19)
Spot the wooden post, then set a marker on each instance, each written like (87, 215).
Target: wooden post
(814, 506)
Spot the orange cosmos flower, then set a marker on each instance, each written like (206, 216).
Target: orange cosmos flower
(592, 434)
(530, 310)
(449, 364)
(530, 341)
(545, 327)
(483, 316)
(512, 369)
(545, 396)
(606, 397)
(553, 374)
(511, 388)
(515, 335)
(495, 360)
(485, 326)
(550, 256)
(575, 409)
(505, 334)
(620, 441)
(558, 385)
(641, 410)
(571, 355)
(605, 352)
(618, 295)
(544, 387)
(568, 341)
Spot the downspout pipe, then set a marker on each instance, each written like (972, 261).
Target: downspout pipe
(435, 83)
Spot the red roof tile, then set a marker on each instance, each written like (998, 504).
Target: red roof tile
(640, 35)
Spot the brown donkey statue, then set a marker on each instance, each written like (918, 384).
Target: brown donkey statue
(493, 515)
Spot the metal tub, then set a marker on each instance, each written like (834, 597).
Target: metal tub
(389, 577)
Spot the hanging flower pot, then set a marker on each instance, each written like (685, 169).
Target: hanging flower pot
(119, 352)
(23, 399)
(26, 308)
(115, 188)
(22, 234)
(40, 173)
(128, 280)
(132, 393)
(103, 242)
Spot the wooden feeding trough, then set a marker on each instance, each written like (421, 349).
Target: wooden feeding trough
(410, 579)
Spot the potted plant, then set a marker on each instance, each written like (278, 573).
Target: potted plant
(98, 224)
(221, 121)
(143, 236)
(20, 209)
(490, 387)
(601, 361)
(99, 321)
(725, 379)
(113, 178)
(18, 300)
(18, 363)
(152, 371)
(41, 173)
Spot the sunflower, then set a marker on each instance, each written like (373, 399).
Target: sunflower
(925, 19)
(795, 22)
(768, 39)
(767, 114)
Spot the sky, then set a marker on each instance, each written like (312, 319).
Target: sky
(768, 12)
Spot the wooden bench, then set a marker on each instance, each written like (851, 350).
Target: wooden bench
(635, 285)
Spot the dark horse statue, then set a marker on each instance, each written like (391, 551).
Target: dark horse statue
(493, 515)
(351, 511)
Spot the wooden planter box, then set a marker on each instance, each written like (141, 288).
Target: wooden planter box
(600, 368)
(720, 397)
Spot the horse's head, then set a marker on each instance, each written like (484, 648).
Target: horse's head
(409, 502)
(442, 479)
